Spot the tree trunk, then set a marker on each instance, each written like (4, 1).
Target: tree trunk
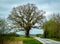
(27, 33)
(45, 33)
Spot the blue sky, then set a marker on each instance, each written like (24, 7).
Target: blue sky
(50, 6)
(32, 31)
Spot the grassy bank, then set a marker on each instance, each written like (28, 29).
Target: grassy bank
(25, 40)
(56, 39)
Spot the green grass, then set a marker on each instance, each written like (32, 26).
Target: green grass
(56, 39)
(30, 41)
(24, 39)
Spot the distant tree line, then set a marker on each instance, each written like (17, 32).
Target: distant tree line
(52, 27)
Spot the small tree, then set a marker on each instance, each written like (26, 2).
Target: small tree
(52, 27)
(26, 16)
(3, 26)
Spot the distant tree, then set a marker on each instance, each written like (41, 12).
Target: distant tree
(26, 16)
(45, 27)
(56, 19)
(3, 26)
(52, 27)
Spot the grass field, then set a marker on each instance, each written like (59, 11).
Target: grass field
(23, 39)
(56, 39)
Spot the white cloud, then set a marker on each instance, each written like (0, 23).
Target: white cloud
(48, 6)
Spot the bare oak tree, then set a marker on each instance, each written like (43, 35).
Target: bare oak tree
(26, 16)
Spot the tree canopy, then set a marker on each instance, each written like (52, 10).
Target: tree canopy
(26, 16)
(52, 27)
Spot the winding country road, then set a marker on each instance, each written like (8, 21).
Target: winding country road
(47, 41)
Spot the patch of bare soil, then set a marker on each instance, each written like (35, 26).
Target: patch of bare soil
(12, 42)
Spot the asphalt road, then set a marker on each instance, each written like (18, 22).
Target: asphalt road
(47, 41)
